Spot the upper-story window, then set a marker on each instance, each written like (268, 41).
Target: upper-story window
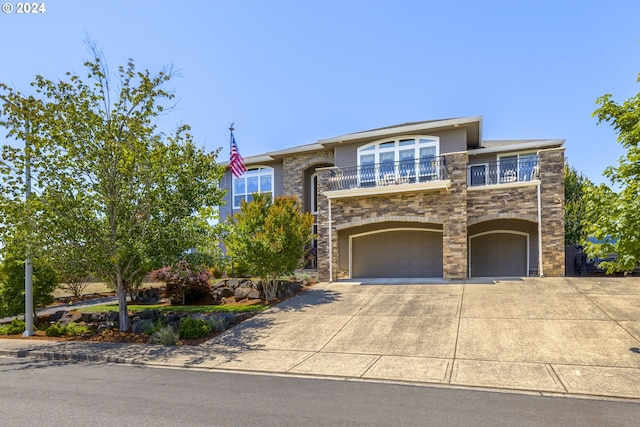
(508, 168)
(408, 158)
(517, 167)
(255, 180)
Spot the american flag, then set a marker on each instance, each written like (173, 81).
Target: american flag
(236, 163)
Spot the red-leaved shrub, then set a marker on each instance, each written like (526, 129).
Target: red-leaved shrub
(186, 283)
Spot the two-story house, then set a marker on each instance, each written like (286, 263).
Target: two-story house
(421, 200)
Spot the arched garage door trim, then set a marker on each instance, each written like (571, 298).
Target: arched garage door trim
(384, 230)
(520, 233)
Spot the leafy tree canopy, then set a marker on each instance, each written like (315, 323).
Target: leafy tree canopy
(270, 238)
(614, 217)
(575, 185)
(104, 177)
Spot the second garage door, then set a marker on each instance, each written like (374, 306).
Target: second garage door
(397, 253)
(499, 255)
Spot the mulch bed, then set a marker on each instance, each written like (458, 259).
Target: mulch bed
(115, 335)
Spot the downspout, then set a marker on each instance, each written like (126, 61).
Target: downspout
(330, 245)
(539, 229)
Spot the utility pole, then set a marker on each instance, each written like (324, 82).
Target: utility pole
(28, 262)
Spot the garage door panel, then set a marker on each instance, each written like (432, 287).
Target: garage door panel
(499, 254)
(400, 253)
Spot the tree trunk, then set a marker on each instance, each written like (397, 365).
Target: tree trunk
(122, 302)
(270, 289)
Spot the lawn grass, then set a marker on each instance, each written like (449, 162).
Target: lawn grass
(178, 308)
(100, 287)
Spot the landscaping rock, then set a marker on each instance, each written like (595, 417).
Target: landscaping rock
(138, 326)
(57, 316)
(106, 325)
(242, 293)
(220, 284)
(226, 292)
(287, 289)
(147, 296)
(254, 294)
(70, 316)
(149, 314)
(233, 283)
(87, 317)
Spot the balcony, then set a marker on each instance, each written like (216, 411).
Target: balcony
(512, 170)
(388, 177)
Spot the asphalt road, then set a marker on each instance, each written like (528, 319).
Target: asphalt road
(56, 393)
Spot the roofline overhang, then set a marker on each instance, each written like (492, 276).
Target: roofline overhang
(543, 143)
(407, 128)
(328, 143)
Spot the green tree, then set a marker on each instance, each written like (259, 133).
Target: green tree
(105, 177)
(45, 280)
(74, 269)
(270, 238)
(614, 217)
(575, 185)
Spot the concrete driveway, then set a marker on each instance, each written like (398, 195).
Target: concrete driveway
(555, 335)
(564, 336)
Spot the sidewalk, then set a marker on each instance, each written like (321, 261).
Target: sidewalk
(552, 336)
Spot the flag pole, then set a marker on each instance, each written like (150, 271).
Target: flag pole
(231, 149)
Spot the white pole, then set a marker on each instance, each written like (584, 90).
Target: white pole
(540, 232)
(28, 262)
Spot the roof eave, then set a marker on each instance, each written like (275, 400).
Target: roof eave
(437, 124)
(543, 143)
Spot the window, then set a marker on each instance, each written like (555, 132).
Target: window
(517, 167)
(478, 174)
(314, 193)
(406, 158)
(254, 180)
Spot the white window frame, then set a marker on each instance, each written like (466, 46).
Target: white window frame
(518, 177)
(433, 141)
(258, 171)
(314, 193)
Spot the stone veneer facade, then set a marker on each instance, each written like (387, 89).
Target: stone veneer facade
(454, 210)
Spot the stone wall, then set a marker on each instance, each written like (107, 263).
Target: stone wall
(323, 229)
(454, 215)
(552, 197)
(294, 166)
(491, 203)
(436, 206)
(456, 209)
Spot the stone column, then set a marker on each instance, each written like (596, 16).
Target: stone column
(552, 202)
(454, 214)
(323, 228)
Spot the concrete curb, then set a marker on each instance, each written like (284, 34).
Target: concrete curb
(549, 337)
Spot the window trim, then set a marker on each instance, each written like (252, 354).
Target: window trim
(374, 148)
(313, 182)
(517, 155)
(485, 174)
(397, 147)
(262, 171)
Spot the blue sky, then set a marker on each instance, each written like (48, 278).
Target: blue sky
(292, 72)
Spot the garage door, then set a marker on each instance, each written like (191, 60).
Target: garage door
(499, 255)
(397, 253)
